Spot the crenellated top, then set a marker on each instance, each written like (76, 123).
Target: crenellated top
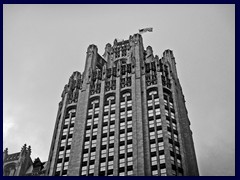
(25, 152)
(124, 57)
(121, 51)
(72, 89)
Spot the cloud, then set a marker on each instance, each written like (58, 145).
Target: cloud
(8, 124)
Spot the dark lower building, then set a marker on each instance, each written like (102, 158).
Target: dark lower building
(124, 115)
(21, 164)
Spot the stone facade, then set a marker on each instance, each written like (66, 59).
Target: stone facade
(124, 115)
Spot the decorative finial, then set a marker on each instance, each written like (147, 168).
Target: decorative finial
(29, 150)
(6, 151)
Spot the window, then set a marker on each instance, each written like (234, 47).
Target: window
(94, 142)
(122, 125)
(63, 142)
(111, 141)
(130, 149)
(59, 167)
(163, 172)
(154, 161)
(66, 121)
(175, 137)
(69, 141)
(65, 165)
(91, 171)
(112, 116)
(122, 174)
(68, 152)
(95, 121)
(65, 131)
(90, 112)
(122, 137)
(122, 115)
(157, 111)
(155, 172)
(112, 126)
(160, 146)
(153, 147)
(122, 151)
(122, 104)
(122, 163)
(150, 113)
(94, 132)
(71, 130)
(129, 134)
(159, 123)
(156, 101)
(103, 166)
(84, 172)
(129, 173)
(149, 103)
(97, 110)
(153, 93)
(84, 168)
(174, 126)
(113, 106)
(177, 150)
(89, 122)
(60, 154)
(88, 133)
(106, 108)
(91, 166)
(179, 163)
(129, 113)
(72, 111)
(152, 135)
(105, 118)
(162, 159)
(169, 135)
(166, 112)
(168, 123)
(165, 102)
(73, 120)
(93, 154)
(110, 166)
(151, 124)
(129, 103)
(159, 133)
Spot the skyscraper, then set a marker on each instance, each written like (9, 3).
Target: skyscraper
(124, 115)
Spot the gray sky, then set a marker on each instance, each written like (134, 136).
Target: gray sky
(44, 44)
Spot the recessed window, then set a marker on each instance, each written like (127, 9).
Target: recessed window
(150, 113)
(130, 173)
(59, 167)
(155, 172)
(166, 112)
(84, 172)
(157, 111)
(156, 101)
(129, 103)
(122, 174)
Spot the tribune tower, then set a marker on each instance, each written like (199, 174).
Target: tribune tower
(124, 115)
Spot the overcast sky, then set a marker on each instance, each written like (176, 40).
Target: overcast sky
(44, 44)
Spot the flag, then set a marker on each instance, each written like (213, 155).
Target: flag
(145, 30)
